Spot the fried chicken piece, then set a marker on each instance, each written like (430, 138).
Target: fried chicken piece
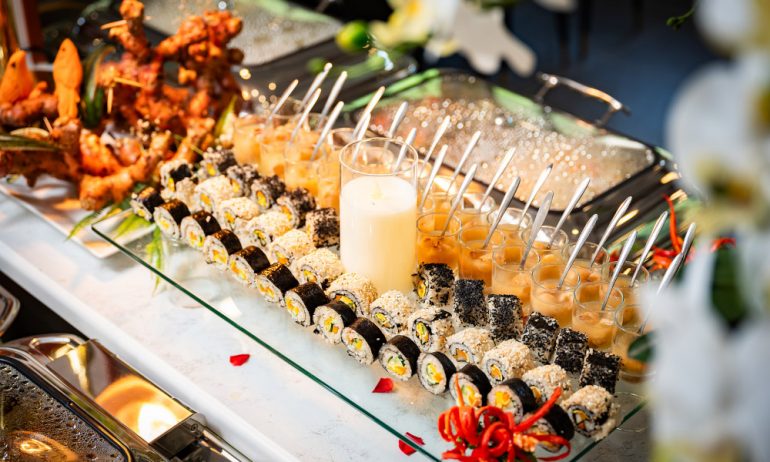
(198, 138)
(31, 110)
(128, 150)
(131, 34)
(95, 157)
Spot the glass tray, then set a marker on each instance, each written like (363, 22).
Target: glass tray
(409, 408)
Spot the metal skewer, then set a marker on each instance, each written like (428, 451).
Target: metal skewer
(316, 83)
(611, 227)
(581, 189)
(499, 173)
(334, 93)
(281, 101)
(619, 267)
(581, 240)
(503, 206)
(648, 245)
(436, 138)
(304, 115)
(327, 128)
(542, 213)
(434, 171)
(402, 153)
(466, 155)
(459, 197)
(538, 184)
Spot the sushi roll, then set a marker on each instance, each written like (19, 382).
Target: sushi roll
(216, 162)
(247, 263)
(323, 226)
(302, 301)
(210, 193)
(540, 336)
(322, 266)
(505, 317)
(263, 229)
(592, 411)
(434, 371)
(474, 385)
(291, 246)
(544, 380)
(363, 339)
(296, 204)
(197, 226)
(469, 305)
(331, 318)
(241, 177)
(174, 171)
(469, 345)
(355, 291)
(391, 311)
(570, 350)
(274, 281)
(185, 192)
(169, 217)
(434, 284)
(218, 247)
(507, 360)
(266, 190)
(143, 204)
(600, 368)
(399, 357)
(233, 212)
(513, 396)
(554, 422)
(430, 327)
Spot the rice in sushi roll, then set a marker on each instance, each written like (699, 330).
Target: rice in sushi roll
(302, 301)
(296, 204)
(262, 230)
(434, 284)
(429, 328)
(291, 246)
(218, 247)
(169, 217)
(143, 204)
(544, 380)
(540, 336)
(600, 368)
(216, 161)
(505, 317)
(554, 422)
(469, 345)
(363, 339)
(174, 171)
(247, 263)
(321, 265)
(570, 350)
(185, 192)
(513, 396)
(323, 227)
(355, 291)
(434, 371)
(331, 318)
(197, 226)
(266, 190)
(391, 311)
(473, 384)
(507, 360)
(469, 305)
(592, 411)
(233, 212)
(274, 281)
(241, 177)
(399, 357)
(210, 193)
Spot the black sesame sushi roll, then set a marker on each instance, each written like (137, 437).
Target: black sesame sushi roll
(274, 281)
(505, 317)
(331, 318)
(323, 227)
(571, 347)
(197, 226)
(355, 291)
(600, 368)
(592, 411)
(290, 246)
(241, 177)
(169, 217)
(266, 190)
(247, 263)
(264, 229)
(302, 301)
(513, 396)
(391, 311)
(399, 357)
(363, 339)
(540, 336)
(434, 371)
(174, 171)
(218, 247)
(296, 204)
(429, 328)
(434, 284)
(216, 161)
(144, 203)
(321, 265)
(554, 422)
(473, 383)
(469, 304)
(210, 194)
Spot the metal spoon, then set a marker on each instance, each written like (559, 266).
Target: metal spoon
(581, 189)
(327, 128)
(459, 197)
(581, 240)
(334, 93)
(500, 211)
(317, 81)
(611, 227)
(688, 238)
(466, 155)
(370, 106)
(542, 213)
(432, 177)
(402, 153)
(305, 113)
(499, 173)
(538, 184)
(668, 276)
(358, 135)
(648, 245)
(619, 267)
(281, 101)
(436, 138)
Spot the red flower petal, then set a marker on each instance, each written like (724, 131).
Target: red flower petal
(239, 360)
(415, 438)
(405, 448)
(385, 385)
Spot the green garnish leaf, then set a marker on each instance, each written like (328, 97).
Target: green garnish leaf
(131, 223)
(642, 348)
(726, 295)
(10, 142)
(154, 253)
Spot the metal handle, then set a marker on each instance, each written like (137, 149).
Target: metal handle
(551, 81)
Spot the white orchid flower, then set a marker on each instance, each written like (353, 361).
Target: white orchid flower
(732, 24)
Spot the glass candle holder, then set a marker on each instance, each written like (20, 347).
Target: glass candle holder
(624, 280)
(475, 260)
(472, 211)
(628, 321)
(590, 318)
(432, 247)
(548, 253)
(588, 272)
(509, 278)
(247, 135)
(511, 224)
(378, 212)
(547, 299)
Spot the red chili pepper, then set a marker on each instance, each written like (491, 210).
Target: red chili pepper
(721, 242)
(415, 438)
(672, 229)
(405, 448)
(385, 385)
(239, 360)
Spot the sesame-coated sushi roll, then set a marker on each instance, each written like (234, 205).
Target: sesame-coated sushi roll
(234, 212)
(434, 284)
(289, 247)
(323, 227)
(363, 339)
(174, 171)
(266, 190)
(399, 357)
(600, 368)
(474, 385)
(355, 291)
(592, 411)
(505, 317)
(218, 247)
(274, 281)
(302, 301)
(391, 311)
(169, 217)
(540, 336)
(241, 177)
(210, 193)
(216, 161)
(469, 304)
(296, 204)
(197, 226)
(507, 360)
(513, 396)
(434, 371)
(143, 204)
(544, 380)
(469, 345)
(263, 229)
(554, 422)
(185, 192)
(321, 265)
(570, 350)
(247, 263)
(430, 327)
(331, 318)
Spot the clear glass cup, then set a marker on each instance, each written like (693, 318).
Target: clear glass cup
(509, 278)
(590, 318)
(475, 261)
(588, 272)
(272, 146)
(432, 247)
(511, 224)
(302, 169)
(443, 183)
(329, 172)
(624, 280)
(247, 135)
(628, 322)
(548, 253)
(550, 300)
(472, 212)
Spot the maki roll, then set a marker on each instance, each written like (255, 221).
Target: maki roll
(302, 301)
(289, 247)
(544, 380)
(505, 317)
(212, 192)
(266, 190)
(507, 360)
(263, 229)
(469, 305)
(473, 384)
(174, 171)
(323, 226)
(429, 328)
(600, 368)
(296, 204)
(241, 177)
(434, 284)
(469, 345)
(185, 192)
(554, 422)
(322, 266)
(363, 339)
(233, 212)
(246, 263)
(218, 247)
(274, 281)
(217, 161)
(399, 357)
(331, 318)
(355, 291)
(143, 204)
(434, 370)
(540, 335)
(592, 411)
(570, 350)
(513, 396)
(391, 311)
(169, 217)
(197, 226)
